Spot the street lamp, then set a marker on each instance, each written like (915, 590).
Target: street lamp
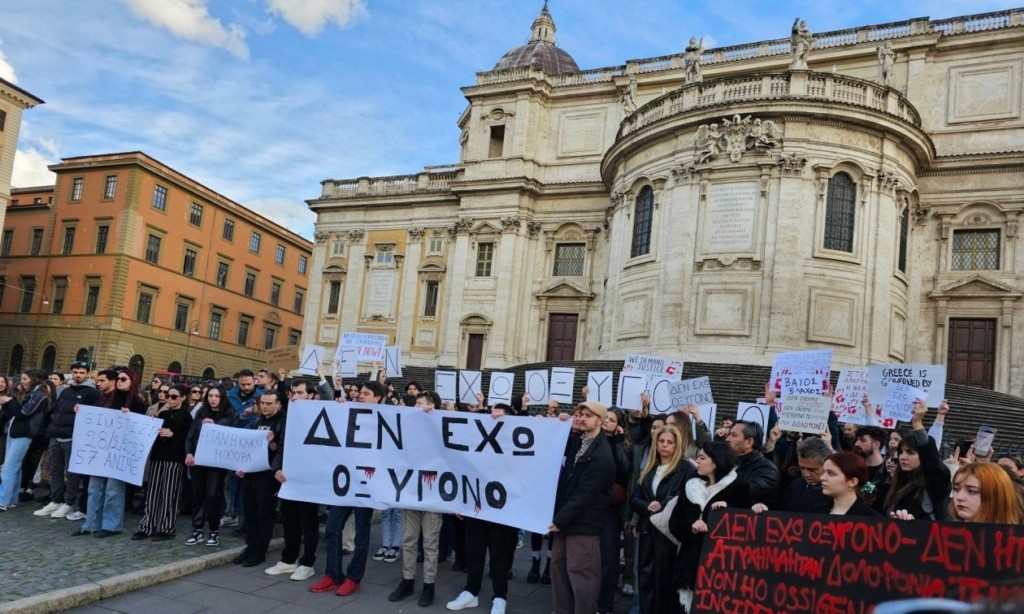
(193, 329)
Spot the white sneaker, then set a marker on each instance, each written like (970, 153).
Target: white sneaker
(75, 516)
(50, 508)
(62, 511)
(280, 568)
(465, 600)
(498, 606)
(302, 572)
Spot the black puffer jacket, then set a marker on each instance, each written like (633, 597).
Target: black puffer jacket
(623, 468)
(585, 487)
(30, 417)
(761, 475)
(62, 419)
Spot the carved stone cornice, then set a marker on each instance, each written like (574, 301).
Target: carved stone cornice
(510, 224)
(357, 235)
(460, 227)
(791, 164)
(321, 236)
(416, 234)
(684, 172)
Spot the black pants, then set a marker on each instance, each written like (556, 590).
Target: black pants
(259, 495)
(301, 524)
(459, 533)
(207, 496)
(483, 537)
(656, 574)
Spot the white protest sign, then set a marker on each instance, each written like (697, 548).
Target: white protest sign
(851, 388)
(802, 384)
(537, 387)
(347, 364)
(499, 390)
(631, 386)
(502, 470)
(791, 363)
(369, 347)
(112, 444)
(232, 448)
(806, 413)
(753, 412)
(899, 401)
(393, 361)
(599, 387)
(696, 391)
(310, 358)
(446, 385)
(469, 387)
(659, 391)
(930, 378)
(561, 384)
(708, 413)
(668, 368)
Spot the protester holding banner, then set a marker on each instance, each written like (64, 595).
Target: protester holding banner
(166, 467)
(28, 421)
(662, 478)
(207, 482)
(716, 485)
(921, 484)
(843, 476)
(259, 489)
(584, 492)
(610, 537)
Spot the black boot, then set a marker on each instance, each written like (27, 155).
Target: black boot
(534, 576)
(405, 588)
(427, 596)
(546, 577)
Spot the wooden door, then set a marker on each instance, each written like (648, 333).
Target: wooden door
(562, 336)
(474, 352)
(972, 352)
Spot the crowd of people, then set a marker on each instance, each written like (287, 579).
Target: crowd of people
(634, 488)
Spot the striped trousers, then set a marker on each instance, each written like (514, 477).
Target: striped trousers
(163, 492)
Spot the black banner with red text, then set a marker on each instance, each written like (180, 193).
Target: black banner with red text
(781, 562)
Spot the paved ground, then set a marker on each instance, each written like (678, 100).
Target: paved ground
(38, 555)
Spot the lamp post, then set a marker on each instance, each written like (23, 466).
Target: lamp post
(193, 330)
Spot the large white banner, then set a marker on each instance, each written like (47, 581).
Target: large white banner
(112, 444)
(503, 470)
(232, 448)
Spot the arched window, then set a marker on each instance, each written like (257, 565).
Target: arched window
(49, 358)
(840, 209)
(138, 364)
(174, 367)
(82, 355)
(643, 214)
(901, 257)
(17, 353)
(208, 373)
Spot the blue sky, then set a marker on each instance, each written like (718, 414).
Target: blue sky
(262, 99)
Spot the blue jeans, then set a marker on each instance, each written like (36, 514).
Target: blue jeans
(10, 477)
(391, 527)
(106, 505)
(336, 518)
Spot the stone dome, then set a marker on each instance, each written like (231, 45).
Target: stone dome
(540, 52)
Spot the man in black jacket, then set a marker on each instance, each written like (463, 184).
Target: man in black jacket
(584, 493)
(259, 489)
(64, 495)
(745, 439)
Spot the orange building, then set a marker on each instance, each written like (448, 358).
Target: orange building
(126, 261)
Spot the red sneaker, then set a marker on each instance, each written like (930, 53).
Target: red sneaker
(348, 587)
(324, 585)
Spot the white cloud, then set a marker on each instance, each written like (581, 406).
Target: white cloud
(291, 214)
(190, 19)
(310, 16)
(30, 168)
(6, 69)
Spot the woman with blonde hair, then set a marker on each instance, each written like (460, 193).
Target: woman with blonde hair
(984, 492)
(661, 479)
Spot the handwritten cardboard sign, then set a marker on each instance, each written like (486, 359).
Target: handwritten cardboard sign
(806, 362)
(787, 562)
(852, 386)
(499, 390)
(446, 385)
(755, 412)
(654, 367)
(503, 470)
(561, 384)
(369, 347)
(806, 414)
(659, 392)
(631, 386)
(930, 378)
(695, 391)
(393, 361)
(348, 365)
(599, 387)
(112, 444)
(469, 386)
(537, 387)
(310, 358)
(899, 401)
(232, 448)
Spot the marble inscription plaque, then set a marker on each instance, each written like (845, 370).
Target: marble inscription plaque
(380, 296)
(732, 213)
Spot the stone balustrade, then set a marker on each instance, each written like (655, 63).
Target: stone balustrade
(432, 179)
(796, 85)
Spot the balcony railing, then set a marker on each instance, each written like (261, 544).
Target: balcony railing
(432, 179)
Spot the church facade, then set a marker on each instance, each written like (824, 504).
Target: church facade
(859, 190)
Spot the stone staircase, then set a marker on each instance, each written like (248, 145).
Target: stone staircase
(732, 384)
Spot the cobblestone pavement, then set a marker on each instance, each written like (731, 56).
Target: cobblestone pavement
(39, 555)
